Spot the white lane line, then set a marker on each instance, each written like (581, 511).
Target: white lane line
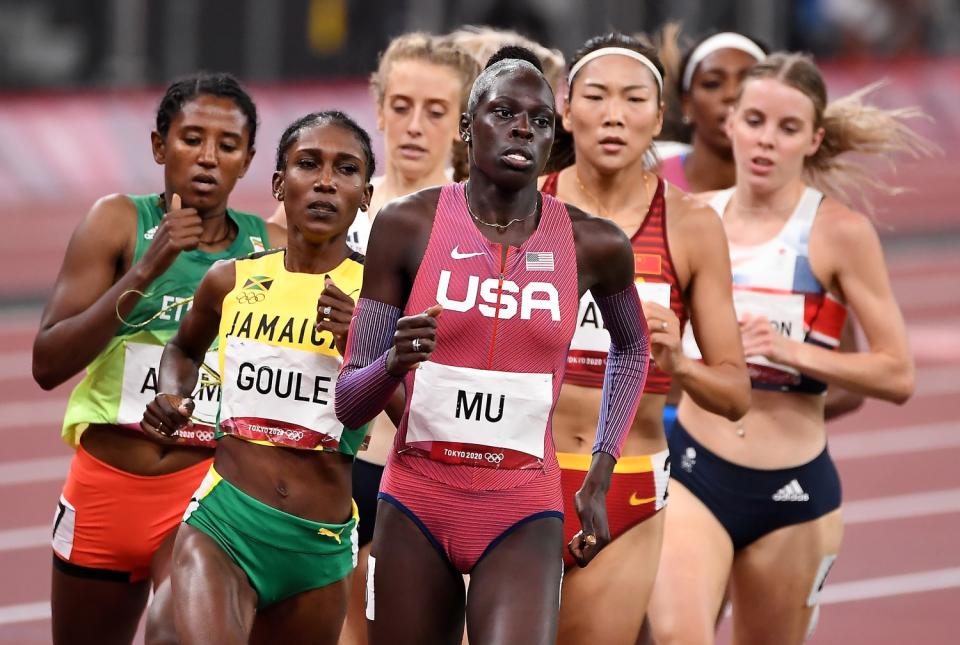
(899, 585)
(16, 365)
(897, 507)
(30, 471)
(18, 414)
(24, 613)
(934, 381)
(895, 441)
(28, 537)
(925, 291)
(919, 582)
(25, 320)
(854, 512)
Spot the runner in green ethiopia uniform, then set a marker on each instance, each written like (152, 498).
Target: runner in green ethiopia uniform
(127, 280)
(123, 378)
(274, 518)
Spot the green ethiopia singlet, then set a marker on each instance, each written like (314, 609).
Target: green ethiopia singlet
(122, 379)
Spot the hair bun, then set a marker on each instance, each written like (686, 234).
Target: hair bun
(515, 52)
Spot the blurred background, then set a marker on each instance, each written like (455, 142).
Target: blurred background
(79, 82)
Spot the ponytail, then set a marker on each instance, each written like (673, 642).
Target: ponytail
(850, 126)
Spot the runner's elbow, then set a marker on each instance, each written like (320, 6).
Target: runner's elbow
(46, 377)
(901, 386)
(738, 404)
(45, 371)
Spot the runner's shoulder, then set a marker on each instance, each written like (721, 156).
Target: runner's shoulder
(840, 227)
(594, 230)
(408, 214)
(110, 224)
(690, 214)
(221, 277)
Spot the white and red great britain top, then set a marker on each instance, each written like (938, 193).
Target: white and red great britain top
(480, 409)
(774, 279)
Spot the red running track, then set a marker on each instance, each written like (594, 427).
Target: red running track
(897, 579)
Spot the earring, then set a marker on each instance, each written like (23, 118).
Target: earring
(686, 119)
(278, 195)
(466, 137)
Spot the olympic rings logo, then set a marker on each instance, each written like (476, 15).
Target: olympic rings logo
(204, 436)
(250, 297)
(493, 457)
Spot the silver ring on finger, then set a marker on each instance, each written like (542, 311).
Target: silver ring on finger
(326, 311)
(416, 344)
(663, 325)
(160, 427)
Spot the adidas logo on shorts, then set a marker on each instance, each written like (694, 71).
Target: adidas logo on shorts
(792, 492)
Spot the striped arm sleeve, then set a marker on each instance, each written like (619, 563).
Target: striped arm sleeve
(364, 386)
(626, 371)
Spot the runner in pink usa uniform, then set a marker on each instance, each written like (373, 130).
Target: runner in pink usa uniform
(488, 280)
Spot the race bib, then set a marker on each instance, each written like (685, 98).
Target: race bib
(591, 335)
(785, 313)
(139, 387)
(481, 418)
(279, 394)
(783, 310)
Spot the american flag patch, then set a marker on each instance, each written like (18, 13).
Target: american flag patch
(539, 260)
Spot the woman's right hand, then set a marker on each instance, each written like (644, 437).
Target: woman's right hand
(413, 342)
(166, 414)
(179, 231)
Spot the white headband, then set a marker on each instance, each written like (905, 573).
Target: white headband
(725, 40)
(616, 51)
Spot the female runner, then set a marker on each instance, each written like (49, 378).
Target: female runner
(758, 501)
(472, 485)
(707, 80)
(127, 281)
(270, 535)
(420, 89)
(681, 265)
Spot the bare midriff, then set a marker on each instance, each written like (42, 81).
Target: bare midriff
(137, 454)
(781, 430)
(575, 422)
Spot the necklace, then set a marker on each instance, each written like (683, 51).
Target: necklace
(500, 227)
(217, 241)
(603, 212)
(229, 231)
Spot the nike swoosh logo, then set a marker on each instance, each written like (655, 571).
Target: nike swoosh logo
(636, 501)
(457, 255)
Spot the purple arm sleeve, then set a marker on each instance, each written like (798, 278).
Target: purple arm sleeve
(364, 386)
(626, 372)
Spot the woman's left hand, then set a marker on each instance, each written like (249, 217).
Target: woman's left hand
(591, 507)
(760, 339)
(664, 329)
(334, 313)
